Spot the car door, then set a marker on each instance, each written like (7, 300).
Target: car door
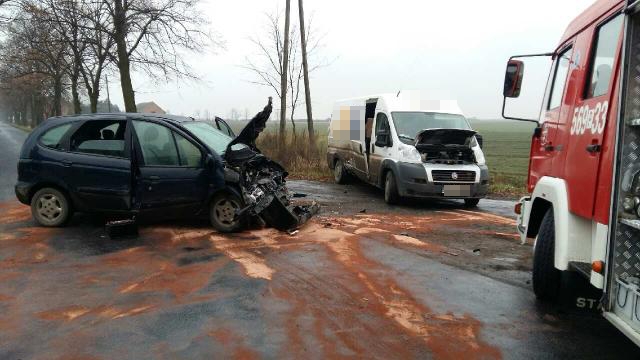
(380, 146)
(171, 180)
(99, 166)
(224, 127)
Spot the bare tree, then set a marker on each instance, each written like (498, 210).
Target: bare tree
(234, 114)
(283, 78)
(66, 20)
(36, 48)
(305, 67)
(98, 53)
(267, 65)
(150, 35)
(31, 66)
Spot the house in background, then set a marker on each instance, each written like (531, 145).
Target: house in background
(150, 108)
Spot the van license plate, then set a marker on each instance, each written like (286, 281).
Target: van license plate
(456, 190)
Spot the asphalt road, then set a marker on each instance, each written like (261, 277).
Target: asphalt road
(11, 140)
(361, 280)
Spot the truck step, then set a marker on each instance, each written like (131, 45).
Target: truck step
(581, 268)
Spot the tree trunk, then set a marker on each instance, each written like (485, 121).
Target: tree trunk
(305, 67)
(94, 101)
(124, 65)
(283, 77)
(74, 90)
(57, 95)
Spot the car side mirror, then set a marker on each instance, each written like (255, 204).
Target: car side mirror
(383, 139)
(513, 78)
(480, 140)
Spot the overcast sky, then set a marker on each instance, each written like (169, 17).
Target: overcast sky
(456, 49)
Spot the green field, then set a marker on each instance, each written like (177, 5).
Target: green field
(506, 148)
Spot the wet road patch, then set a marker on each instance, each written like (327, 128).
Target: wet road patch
(365, 286)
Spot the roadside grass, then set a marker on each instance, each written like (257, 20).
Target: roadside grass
(506, 149)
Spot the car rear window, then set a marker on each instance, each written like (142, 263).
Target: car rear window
(53, 137)
(100, 137)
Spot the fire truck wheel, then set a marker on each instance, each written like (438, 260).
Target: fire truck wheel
(546, 278)
(391, 195)
(340, 174)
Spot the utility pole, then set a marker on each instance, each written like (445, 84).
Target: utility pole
(106, 77)
(305, 68)
(283, 77)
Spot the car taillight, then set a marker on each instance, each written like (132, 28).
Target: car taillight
(518, 208)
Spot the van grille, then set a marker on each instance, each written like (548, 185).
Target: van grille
(461, 176)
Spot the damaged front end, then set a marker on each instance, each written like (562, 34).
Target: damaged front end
(447, 146)
(262, 181)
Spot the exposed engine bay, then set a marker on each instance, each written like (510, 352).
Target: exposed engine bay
(446, 146)
(262, 181)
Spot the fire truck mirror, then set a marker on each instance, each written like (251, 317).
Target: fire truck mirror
(513, 78)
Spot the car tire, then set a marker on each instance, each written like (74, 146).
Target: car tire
(391, 195)
(546, 278)
(50, 207)
(340, 174)
(471, 203)
(222, 212)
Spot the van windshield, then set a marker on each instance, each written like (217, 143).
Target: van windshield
(409, 124)
(209, 135)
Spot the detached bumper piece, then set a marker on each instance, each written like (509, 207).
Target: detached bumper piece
(286, 217)
(122, 228)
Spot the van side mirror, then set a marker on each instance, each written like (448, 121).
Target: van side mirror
(513, 78)
(383, 139)
(480, 140)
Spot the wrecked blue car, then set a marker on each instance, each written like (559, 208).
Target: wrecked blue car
(156, 167)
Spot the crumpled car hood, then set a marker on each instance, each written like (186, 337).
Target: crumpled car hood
(445, 137)
(252, 130)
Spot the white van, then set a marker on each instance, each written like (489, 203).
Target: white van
(408, 147)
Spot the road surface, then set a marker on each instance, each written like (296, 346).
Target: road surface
(360, 280)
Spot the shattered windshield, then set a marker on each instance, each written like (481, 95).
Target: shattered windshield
(212, 137)
(409, 124)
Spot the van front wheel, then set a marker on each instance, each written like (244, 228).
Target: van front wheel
(391, 195)
(471, 203)
(340, 174)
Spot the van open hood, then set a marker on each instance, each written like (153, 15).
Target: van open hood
(445, 137)
(250, 132)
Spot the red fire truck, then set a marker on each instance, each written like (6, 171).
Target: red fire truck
(584, 169)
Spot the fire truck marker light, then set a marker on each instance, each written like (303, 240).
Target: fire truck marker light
(518, 209)
(598, 267)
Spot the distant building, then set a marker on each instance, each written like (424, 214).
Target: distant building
(150, 108)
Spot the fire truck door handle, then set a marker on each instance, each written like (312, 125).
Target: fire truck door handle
(594, 148)
(549, 147)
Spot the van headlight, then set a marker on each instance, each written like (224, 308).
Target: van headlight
(477, 152)
(410, 154)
